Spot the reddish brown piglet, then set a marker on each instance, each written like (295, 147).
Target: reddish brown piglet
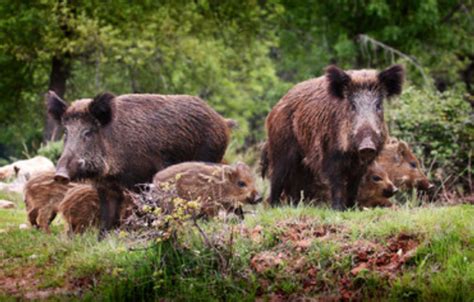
(42, 196)
(214, 186)
(402, 166)
(80, 208)
(376, 188)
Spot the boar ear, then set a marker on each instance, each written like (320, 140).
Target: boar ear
(101, 108)
(392, 79)
(338, 81)
(56, 106)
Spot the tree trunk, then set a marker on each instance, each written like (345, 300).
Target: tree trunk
(60, 72)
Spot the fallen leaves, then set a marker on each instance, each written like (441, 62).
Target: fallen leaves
(266, 261)
(385, 259)
(292, 258)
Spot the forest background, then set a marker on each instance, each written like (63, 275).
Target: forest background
(242, 57)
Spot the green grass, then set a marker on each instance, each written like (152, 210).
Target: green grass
(442, 269)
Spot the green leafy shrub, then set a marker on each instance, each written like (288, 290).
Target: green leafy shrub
(440, 129)
(51, 150)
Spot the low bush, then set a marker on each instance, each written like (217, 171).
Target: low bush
(51, 150)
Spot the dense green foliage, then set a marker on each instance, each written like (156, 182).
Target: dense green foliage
(241, 56)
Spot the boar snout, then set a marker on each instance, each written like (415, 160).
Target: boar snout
(255, 198)
(367, 149)
(258, 198)
(62, 176)
(424, 185)
(66, 169)
(390, 191)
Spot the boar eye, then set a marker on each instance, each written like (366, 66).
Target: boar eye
(376, 178)
(87, 133)
(241, 184)
(413, 164)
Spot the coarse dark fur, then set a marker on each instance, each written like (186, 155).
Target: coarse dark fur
(327, 131)
(121, 141)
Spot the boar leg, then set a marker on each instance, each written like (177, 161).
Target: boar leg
(297, 187)
(45, 217)
(278, 179)
(282, 163)
(110, 201)
(353, 184)
(337, 194)
(32, 215)
(333, 171)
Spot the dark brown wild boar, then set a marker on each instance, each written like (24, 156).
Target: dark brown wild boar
(402, 166)
(375, 188)
(80, 208)
(214, 186)
(42, 196)
(327, 131)
(121, 141)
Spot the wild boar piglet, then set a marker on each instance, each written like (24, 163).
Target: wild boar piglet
(214, 186)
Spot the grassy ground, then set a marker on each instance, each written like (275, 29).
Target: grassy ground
(418, 254)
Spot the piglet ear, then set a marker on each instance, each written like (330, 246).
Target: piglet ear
(55, 105)
(403, 148)
(392, 140)
(392, 79)
(241, 167)
(236, 169)
(101, 108)
(338, 81)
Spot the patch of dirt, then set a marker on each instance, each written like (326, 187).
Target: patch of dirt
(25, 283)
(292, 261)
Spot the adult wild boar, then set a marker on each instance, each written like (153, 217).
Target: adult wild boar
(327, 131)
(121, 141)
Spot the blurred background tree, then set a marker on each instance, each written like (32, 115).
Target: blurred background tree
(241, 57)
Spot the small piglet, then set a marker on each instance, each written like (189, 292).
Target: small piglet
(214, 186)
(42, 196)
(402, 166)
(80, 208)
(376, 188)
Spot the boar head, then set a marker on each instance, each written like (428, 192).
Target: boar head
(363, 92)
(83, 155)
